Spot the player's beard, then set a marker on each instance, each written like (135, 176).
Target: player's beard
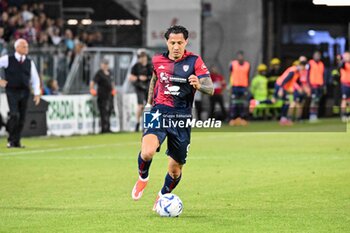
(177, 55)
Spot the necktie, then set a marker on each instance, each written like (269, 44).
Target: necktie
(21, 60)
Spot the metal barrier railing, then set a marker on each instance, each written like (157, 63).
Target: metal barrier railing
(87, 63)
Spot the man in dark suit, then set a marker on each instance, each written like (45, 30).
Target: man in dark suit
(20, 75)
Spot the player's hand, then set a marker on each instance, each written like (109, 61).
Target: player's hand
(93, 92)
(114, 92)
(147, 107)
(194, 81)
(143, 77)
(36, 100)
(3, 83)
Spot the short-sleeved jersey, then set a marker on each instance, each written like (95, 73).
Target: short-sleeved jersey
(172, 87)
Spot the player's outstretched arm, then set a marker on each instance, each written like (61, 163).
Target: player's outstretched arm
(206, 86)
(151, 88)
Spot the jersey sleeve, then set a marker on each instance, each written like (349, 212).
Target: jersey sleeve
(201, 69)
(153, 65)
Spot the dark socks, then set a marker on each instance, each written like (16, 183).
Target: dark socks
(143, 167)
(170, 183)
(284, 110)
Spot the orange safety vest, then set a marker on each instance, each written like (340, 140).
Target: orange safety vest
(239, 74)
(316, 73)
(303, 76)
(345, 73)
(290, 84)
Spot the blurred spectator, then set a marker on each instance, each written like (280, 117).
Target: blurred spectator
(55, 36)
(274, 72)
(239, 78)
(198, 105)
(287, 84)
(3, 6)
(12, 10)
(259, 90)
(30, 32)
(344, 66)
(20, 33)
(4, 18)
(316, 78)
(26, 15)
(10, 28)
(36, 24)
(42, 18)
(38, 8)
(98, 39)
(140, 76)
(51, 87)
(68, 40)
(105, 92)
(90, 40)
(83, 37)
(219, 85)
(43, 39)
(3, 44)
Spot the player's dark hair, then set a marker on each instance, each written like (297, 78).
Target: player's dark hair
(176, 29)
(240, 52)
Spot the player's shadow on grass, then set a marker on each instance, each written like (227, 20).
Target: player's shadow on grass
(182, 216)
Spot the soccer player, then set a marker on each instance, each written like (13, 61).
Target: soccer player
(316, 81)
(285, 84)
(239, 79)
(177, 75)
(344, 65)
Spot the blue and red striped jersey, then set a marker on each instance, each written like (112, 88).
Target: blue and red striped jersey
(172, 87)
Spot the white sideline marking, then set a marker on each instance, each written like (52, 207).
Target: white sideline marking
(66, 149)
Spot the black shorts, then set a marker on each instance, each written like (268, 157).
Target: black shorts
(179, 138)
(141, 97)
(345, 91)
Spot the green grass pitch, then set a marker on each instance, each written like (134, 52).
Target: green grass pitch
(232, 182)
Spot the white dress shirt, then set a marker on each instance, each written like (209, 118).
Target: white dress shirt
(34, 76)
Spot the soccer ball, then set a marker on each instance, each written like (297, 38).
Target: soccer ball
(169, 205)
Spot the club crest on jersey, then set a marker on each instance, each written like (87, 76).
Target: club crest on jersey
(185, 67)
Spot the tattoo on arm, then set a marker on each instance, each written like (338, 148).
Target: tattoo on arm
(151, 88)
(207, 86)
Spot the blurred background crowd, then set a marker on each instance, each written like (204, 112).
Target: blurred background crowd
(268, 32)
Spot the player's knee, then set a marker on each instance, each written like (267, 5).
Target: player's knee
(175, 173)
(147, 153)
